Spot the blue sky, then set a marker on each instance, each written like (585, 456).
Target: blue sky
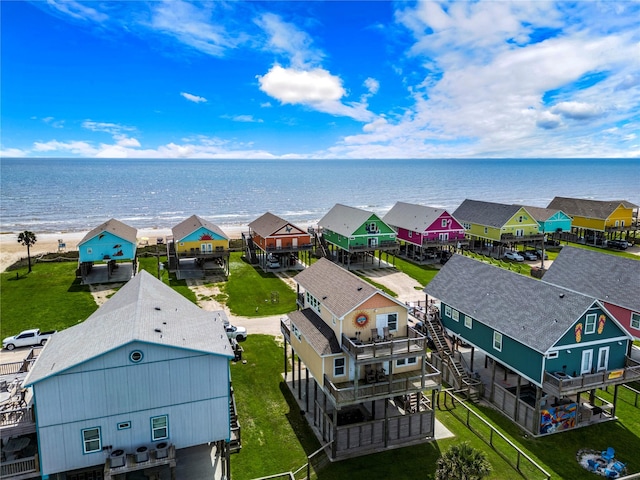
(320, 79)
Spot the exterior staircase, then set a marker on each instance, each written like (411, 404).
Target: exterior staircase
(235, 441)
(250, 248)
(460, 379)
(323, 249)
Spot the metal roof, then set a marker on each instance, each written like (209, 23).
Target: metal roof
(581, 207)
(114, 227)
(143, 310)
(344, 220)
(529, 311)
(610, 278)
(416, 218)
(316, 332)
(334, 287)
(193, 223)
(489, 214)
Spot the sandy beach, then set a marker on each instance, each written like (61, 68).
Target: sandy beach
(11, 251)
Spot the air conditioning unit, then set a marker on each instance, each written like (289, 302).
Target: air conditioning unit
(162, 450)
(142, 454)
(118, 458)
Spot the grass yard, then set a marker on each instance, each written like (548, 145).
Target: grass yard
(48, 298)
(423, 274)
(250, 292)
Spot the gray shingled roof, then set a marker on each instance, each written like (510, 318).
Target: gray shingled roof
(114, 227)
(416, 218)
(193, 223)
(144, 310)
(268, 224)
(607, 277)
(532, 312)
(489, 214)
(344, 220)
(337, 289)
(541, 214)
(316, 332)
(581, 207)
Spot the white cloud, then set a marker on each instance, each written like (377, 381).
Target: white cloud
(124, 141)
(81, 148)
(78, 11)
(112, 128)
(285, 38)
(372, 85)
(12, 152)
(244, 119)
(53, 122)
(577, 110)
(193, 98)
(548, 120)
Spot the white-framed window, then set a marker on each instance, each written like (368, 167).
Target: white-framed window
(520, 218)
(447, 311)
(392, 322)
(409, 233)
(590, 323)
(497, 341)
(468, 321)
(455, 315)
(519, 232)
(339, 365)
(617, 222)
(486, 229)
(552, 355)
(313, 302)
(91, 441)
(159, 427)
(401, 362)
(635, 321)
(443, 224)
(296, 332)
(124, 425)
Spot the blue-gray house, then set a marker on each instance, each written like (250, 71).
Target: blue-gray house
(562, 345)
(144, 376)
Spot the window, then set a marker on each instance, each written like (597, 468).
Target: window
(635, 320)
(468, 321)
(444, 223)
(590, 324)
(296, 332)
(338, 367)
(486, 230)
(136, 356)
(159, 427)
(497, 341)
(392, 321)
(401, 362)
(447, 311)
(552, 355)
(455, 315)
(520, 218)
(91, 440)
(124, 425)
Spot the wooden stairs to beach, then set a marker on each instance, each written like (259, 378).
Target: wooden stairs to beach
(235, 442)
(462, 382)
(323, 249)
(250, 249)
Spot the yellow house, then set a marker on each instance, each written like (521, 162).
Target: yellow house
(610, 218)
(368, 367)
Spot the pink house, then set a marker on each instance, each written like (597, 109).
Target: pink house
(423, 226)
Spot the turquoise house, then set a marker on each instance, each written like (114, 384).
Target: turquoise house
(113, 240)
(558, 346)
(550, 220)
(352, 235)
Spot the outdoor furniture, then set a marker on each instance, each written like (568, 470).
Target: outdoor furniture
(593, 465)
(608, 454)
(380, 375)
(374, 335)
(386, 334)
(370, 375)
(618, 466)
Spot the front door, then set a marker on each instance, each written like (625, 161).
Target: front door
(444, 237)
(294, 242)
(587, 360)
(278, 243)
(373, 242)
(603, 359)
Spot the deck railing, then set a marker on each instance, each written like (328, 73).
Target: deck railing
(413, 342)
(510, 237)
(564, 386)
(385, 245)
(21, 466)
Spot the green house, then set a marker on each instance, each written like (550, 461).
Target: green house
(351, 235)
(558, 346)
(490, 224)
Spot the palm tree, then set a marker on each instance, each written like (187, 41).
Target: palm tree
(27, 239)
(462, 462)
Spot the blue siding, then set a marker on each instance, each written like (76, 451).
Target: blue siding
(195, 236)
(106, 245)
(557, 221)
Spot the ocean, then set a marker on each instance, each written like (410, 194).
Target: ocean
(74, 195)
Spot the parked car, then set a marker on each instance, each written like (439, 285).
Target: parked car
(515, 256)
(27, 338)
(236, 333)
(273, 264)
(619, 244)
(539, 254)
(529, 255)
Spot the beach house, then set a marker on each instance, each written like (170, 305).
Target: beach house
(360, 372)
(550, 220)
(144, 377)
(594, 221)
(352, 236)
(424, 232)
(613, 280)
(196, 248)
(495, 226)
(277, 243)
(108, 253)
(547, 349)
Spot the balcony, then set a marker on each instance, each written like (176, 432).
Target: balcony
(510, 237)
(290, 248)
(560, 384)
(358, 391)
(442, 243)
(413, 344)
(385, 245)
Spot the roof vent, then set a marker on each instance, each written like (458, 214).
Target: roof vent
(157, 330)
(359, 288)
(562, 295)
(324, 298)
(158, 308)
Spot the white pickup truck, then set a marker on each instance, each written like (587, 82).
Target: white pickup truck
(27, 338)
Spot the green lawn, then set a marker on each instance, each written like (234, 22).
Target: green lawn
(423, 274)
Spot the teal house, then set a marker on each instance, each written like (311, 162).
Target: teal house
(550, 220)
(556, 347)
(111, 244)
(352, 235)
